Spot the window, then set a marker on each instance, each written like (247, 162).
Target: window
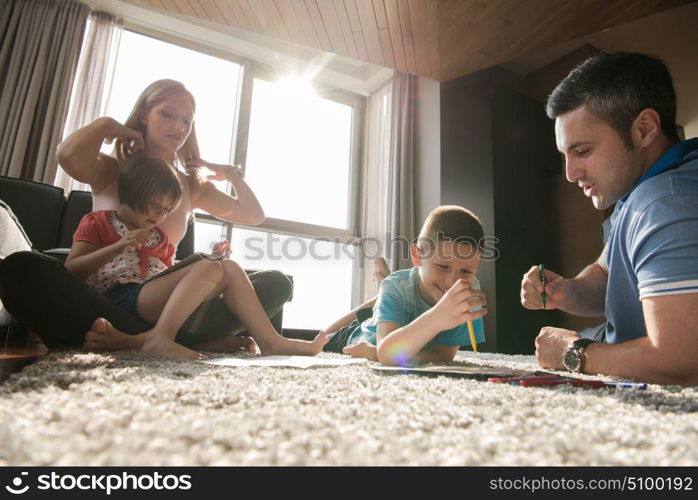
(321, 271)
(142, 60)
(299, 148)
(310, 162)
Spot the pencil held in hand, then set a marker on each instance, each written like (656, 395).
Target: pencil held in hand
(542, 280)
(473, 340)
(471, 330)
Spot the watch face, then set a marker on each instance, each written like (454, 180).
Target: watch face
(572, 359)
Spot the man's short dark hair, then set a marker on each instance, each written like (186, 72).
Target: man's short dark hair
(617, 87)
(143, 178)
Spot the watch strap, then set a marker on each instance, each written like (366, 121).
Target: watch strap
(580, 345)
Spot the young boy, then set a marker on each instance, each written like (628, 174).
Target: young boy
(421, 314)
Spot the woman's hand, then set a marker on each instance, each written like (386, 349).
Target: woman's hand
(242, 207)
(133, 139)
(220, 172)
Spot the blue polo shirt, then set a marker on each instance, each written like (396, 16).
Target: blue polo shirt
(399, 302)
(653, 245)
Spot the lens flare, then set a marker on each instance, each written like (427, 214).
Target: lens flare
(399, 353)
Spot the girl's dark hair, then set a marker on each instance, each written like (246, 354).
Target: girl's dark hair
(617, 87)
(143, 178)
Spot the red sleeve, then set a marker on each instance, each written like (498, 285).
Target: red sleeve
(89, 230)
(95, 228)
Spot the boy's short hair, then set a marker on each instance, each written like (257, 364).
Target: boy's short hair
(143, 178)
(617, 87)
(451, 223)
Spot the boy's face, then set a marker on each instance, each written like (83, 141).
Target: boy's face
(448, 262)
(159, 207)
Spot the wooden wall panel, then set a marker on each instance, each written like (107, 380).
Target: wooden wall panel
(288, 15)
(318, 25)
(213, 12)
(396, 37)
(343, 18)
(438, 39)
(369, 26)
(387, 46)
(242, 7)
(278, 23)
(331, 22)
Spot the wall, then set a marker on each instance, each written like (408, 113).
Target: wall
(497, 144)
(498, 151)
(467, 173)
(427, 148)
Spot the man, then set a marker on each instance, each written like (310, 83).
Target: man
(615, 126)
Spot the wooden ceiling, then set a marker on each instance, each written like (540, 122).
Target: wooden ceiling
(437, 39)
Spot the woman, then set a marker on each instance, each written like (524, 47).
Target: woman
(37, 291)
(162, 124)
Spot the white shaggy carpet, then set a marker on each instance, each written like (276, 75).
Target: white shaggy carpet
(127, 408)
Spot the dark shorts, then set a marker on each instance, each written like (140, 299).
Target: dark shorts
(340, 338)
(125, 296)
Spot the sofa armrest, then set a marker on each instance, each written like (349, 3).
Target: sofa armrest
(60, 254)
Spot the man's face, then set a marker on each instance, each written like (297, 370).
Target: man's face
(596, 157)
(439, 271)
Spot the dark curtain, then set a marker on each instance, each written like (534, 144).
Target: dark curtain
(40, 43)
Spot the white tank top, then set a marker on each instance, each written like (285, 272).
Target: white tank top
(175, 226)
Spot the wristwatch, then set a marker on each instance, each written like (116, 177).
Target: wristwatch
(573, 357)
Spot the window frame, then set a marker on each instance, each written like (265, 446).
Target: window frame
(256, 70)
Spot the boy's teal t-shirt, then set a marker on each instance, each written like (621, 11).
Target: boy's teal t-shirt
(399, 302)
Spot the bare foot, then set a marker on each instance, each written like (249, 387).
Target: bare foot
(229, 343)
(104, 337)
(155, 344)
(297, 347)
(318, 343)
(380, 271)
(362, 349)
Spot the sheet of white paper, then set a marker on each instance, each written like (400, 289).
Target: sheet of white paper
(287, 361)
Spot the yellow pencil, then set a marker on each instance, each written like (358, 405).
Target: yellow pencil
(471, 331)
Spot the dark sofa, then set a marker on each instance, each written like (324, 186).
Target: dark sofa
(50, 219)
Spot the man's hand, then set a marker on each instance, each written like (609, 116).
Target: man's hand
(532, 289)
(550, 346)
(454, 307)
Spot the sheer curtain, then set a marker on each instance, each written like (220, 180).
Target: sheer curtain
(95, 70)
(39, 49)
(388, 219)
